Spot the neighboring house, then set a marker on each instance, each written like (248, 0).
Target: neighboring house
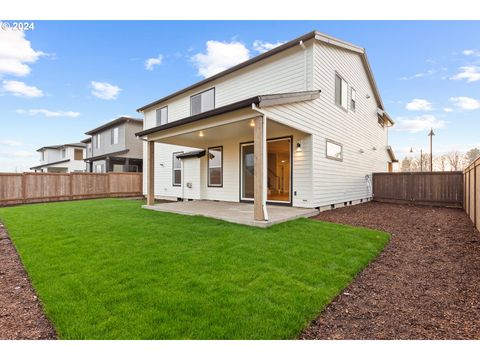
(301, 125)
(63, 158)
(113, 147)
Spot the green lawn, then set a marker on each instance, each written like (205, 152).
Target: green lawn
(107, 269)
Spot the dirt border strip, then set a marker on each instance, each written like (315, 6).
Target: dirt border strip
(21, 313)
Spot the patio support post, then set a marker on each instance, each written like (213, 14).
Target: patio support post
(259, 145)
(151, 173)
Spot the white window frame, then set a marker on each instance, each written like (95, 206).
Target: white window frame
(353, 99)
(64, 153)
(341, 95)
(330, 141)
(114, 136)
(203, 105)
(97, 167)
(174, 156)
(159, 117)
(42, 155)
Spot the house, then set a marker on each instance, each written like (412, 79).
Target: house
(113, 147)
(63, 158)
(301, 125)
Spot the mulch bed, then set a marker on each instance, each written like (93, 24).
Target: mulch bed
(21, 314)
(424, 285)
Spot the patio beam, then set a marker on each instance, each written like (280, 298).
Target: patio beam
(259, 165)
(151, 173)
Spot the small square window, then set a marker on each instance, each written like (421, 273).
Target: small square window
(334, 150)
(162, 116)
(202, 102)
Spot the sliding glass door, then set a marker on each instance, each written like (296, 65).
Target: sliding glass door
(279, 170)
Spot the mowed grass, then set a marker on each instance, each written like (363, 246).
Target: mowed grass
(107, 269)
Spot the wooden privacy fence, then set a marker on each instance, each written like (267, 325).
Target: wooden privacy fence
(439, 188)
(471, 202)
(24, 188)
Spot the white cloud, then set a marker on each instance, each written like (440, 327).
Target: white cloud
(104, 90)
(262, 46)
(465, 103)
(219, 56)
(419, 75)
(448, 110)
(419, 123)
(49, 113)
(8, 142)
(19, 88)
(150, 63)
(419, 105)
(15, 53)
(17, 154)
(469, 73)
(471, 52)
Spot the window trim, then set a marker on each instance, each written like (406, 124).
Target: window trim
(335, 91)
(208, 168)
(326, 149)
(112, 136)
(199, 93)
(156, 112)
(173, 169)
(353, 108)
(64, 153)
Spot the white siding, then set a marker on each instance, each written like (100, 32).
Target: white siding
(317, 181)
(284, 72)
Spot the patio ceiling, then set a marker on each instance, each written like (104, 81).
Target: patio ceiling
(239, 131)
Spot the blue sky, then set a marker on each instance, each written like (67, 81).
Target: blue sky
(64, 77)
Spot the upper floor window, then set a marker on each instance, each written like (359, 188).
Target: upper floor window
(114, 136)
(97, 141)
(78, 154)
(353, 99)
(215, 166)
(341, 94)
(162, 116)
(42, 155)
(202, 102)
(64, 153)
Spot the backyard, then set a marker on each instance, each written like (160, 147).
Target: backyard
(107, 269)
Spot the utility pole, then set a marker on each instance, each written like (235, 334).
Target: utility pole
(431, 134)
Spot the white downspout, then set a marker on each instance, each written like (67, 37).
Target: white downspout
(264, 160)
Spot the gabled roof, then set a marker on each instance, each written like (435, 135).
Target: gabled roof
(260, 100)
(311, 35)
(114, 122)
(56, 147)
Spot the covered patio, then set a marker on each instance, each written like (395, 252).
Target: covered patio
(257, 152)
(239, 213)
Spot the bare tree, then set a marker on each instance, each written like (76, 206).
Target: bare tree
(406, 165)
(472, 154)
(440, 163)
(454, 159)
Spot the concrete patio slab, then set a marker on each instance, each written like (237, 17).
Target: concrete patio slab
(239, 213)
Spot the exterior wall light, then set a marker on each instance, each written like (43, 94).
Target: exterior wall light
(252, 123)
(299, 147)
(201, 134)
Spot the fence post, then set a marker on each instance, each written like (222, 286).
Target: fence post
(70, 176)
(474, 195)
(24, 187)
(108, 184)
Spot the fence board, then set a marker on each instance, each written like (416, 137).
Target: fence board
(428, 188)
(44, 187)
(472, 192)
